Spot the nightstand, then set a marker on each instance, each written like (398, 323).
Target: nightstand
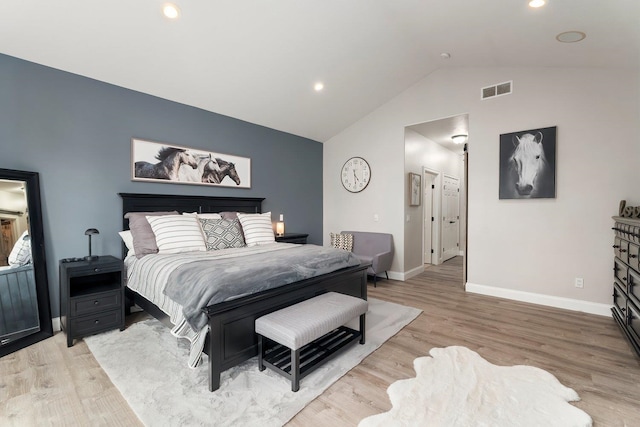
(91, 296)
(292, 238)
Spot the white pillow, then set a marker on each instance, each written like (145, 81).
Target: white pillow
(127, 238)
(21, 252)
(257, 228)
(177, 233)
(203, 215)
(209, 216)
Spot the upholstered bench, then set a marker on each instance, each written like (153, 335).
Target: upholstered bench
(295, 340)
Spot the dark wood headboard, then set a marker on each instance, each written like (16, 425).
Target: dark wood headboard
(132, 202)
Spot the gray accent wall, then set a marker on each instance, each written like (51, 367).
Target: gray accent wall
(76, 132)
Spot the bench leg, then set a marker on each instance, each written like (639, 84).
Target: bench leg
(295, 370)
(260, 353)
(362, 328)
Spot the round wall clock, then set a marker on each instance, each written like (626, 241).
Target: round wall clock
(355, 174)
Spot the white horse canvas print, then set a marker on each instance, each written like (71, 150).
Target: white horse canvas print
(528, 164)
(154, 161)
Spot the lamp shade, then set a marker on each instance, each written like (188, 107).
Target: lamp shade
(91, 232)
(279, 228)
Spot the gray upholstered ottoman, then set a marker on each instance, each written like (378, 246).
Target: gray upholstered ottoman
(302, 336)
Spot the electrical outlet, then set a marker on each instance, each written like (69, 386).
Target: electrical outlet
(579, 282)
(376, 218)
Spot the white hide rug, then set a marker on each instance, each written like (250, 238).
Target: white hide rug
(149, 367)
(457, 387)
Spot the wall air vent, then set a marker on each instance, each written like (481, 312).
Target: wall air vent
(496, 90)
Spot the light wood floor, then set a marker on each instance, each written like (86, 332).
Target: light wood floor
(49, 384)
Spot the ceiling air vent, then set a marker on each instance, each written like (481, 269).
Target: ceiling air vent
(496, 90)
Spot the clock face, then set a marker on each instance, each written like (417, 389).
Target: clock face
(355, 174)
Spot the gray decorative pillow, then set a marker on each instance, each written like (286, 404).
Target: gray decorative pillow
(342, 241)
(144, 241)
(221, 233)
(229, 215)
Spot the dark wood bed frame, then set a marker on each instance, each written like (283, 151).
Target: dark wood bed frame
(232, 337)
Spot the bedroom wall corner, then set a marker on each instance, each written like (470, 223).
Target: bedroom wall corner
(76, 132)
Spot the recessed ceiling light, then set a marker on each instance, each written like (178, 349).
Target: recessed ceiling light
(445, 55)
(318, 86)
(571, 36)
(537, 3)
(171, 11)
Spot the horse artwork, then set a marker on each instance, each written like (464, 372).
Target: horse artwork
(527, 164)
(209, 170)
(223, 169)
(170, 160)
(206, 164)
(183, 165)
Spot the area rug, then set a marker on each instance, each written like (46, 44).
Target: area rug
(149, 368)
(457, 387)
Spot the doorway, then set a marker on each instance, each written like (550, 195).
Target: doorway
(450, 217)
(7, 239)
(441, 232)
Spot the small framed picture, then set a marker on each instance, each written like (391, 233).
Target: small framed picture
(415, 186)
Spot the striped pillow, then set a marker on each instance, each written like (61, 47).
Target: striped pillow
(257, 228)
(177, 233)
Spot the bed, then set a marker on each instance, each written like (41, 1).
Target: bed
(231, 338)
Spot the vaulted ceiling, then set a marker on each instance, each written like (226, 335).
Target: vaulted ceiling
(258, 60)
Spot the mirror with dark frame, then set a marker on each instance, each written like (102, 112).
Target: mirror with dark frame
(25, 315)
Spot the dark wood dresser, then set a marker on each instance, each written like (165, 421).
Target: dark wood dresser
(626, 283)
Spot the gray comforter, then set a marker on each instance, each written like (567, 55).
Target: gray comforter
(205, 282)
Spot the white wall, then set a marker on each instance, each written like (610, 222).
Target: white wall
(535, 246)
(421, 151)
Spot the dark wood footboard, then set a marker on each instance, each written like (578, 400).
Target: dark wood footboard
(232, 338)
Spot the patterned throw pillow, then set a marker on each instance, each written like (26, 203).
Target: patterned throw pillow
(176, 233)
(221, 234)
(257, 228)
(342, 241)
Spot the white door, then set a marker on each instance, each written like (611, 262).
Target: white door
(450, 217)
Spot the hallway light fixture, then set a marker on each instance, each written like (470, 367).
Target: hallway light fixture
(459, 139)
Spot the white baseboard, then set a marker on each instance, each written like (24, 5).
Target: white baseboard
(394, 275)
(548, 300)
(55, 322)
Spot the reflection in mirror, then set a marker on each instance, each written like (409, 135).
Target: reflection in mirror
(24, 298)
